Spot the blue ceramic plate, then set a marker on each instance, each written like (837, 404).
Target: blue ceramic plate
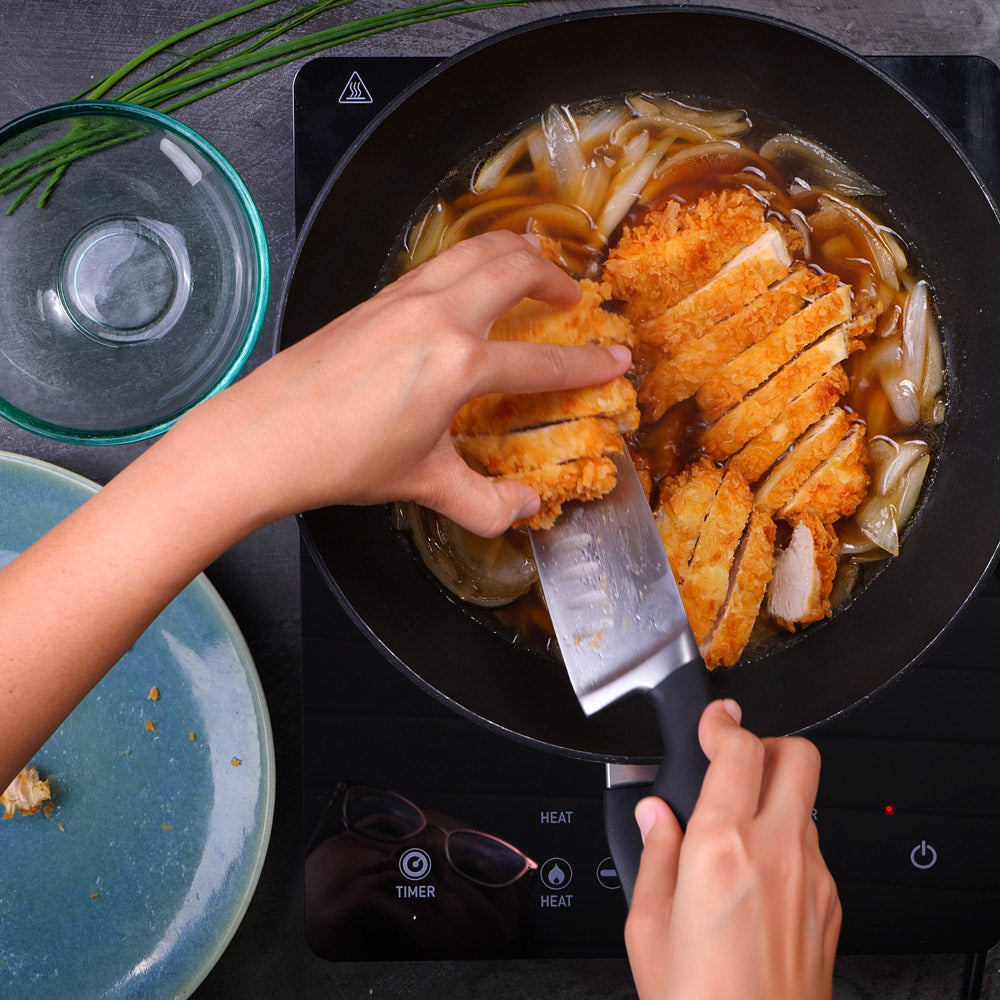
(136, 882)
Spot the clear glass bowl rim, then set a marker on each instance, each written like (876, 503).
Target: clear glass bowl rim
(119, 109)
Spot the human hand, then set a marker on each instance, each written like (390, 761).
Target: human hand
(360, 411)
(742, 904)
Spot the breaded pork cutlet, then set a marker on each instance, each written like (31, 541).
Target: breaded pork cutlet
(676, 250)
(837, 486)
(761, 408)
(805, 455)
(706, 581)
(498, 413)
(731, 383)
(803, 577)
(751, 573)
(675, 379)
(566, 441)
(738, 282)
(557, 442)
(757, 456)
(585, 322)
(682, 509)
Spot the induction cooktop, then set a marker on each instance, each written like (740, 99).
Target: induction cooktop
(909, 803)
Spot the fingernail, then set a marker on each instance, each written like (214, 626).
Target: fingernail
(733, 710)
(536, 243)
(619, 352)
(645, 816)
(529, 507)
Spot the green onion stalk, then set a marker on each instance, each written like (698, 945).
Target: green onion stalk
(192, 76)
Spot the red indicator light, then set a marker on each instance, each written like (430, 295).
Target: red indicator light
(889, 809)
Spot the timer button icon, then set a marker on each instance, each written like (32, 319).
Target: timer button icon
(923, 855)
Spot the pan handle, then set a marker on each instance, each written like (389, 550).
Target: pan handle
(679, 700)
(625, 785)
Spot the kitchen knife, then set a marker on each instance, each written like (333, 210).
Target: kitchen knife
(621, 627)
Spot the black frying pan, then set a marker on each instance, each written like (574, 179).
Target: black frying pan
(775, 71)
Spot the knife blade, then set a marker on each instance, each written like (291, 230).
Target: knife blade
(621, 627)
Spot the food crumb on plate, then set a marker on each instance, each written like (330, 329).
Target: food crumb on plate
(236, 762)
(150, 726)
(26, 794)
(154, 694)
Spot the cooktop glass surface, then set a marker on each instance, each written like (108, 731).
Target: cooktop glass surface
(908, 832)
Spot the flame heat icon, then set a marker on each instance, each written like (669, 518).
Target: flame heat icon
(355, 91)
(556, 873)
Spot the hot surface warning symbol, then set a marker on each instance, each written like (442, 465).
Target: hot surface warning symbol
(355, 92)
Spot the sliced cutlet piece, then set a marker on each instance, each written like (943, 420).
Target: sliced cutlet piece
(676, 250)
(683, 506)
(554, 444)
(498, 413)
(750, 576)
(580, 479)
(738, 282)
(706, 582)
(836, 488)
(761, 408)
(760, 453)
(675, 379)
(731, 383)
(803, 575)
(793, 469)
(584, 322)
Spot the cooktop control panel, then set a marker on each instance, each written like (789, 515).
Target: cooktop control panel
(909, 803)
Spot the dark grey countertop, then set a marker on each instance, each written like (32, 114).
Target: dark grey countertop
(49, 51)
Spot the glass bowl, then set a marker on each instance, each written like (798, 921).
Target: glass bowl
(134, 271)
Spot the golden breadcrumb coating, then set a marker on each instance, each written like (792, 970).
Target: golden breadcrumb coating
(25, 794)
(706, 582)
(733, 381)
(582, 479)
(507, 454)
(813, 448)
(752, 569)
(836, 488)
(762, 407)
(557, 442)
(681, 512)
(673, 252)
(584, 322)
(761, 452)
(498, 413)
(739, 282)
(674, 379)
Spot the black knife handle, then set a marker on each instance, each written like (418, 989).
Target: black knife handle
(679, 699)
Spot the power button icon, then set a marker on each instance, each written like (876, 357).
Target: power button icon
(923, 855)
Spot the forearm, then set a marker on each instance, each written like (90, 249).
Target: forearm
(76, 601)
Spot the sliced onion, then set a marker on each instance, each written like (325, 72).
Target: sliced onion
(898, 472)
(493, 170)
(596, 130)
(626, 188)
(562, 144)
(912, 385)
(821, 167)
(853, 218)
(488, 572)
(725, 122)
(550, 219)
(594, 185)
(461, 227)
(876, 520)
(424, 240)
